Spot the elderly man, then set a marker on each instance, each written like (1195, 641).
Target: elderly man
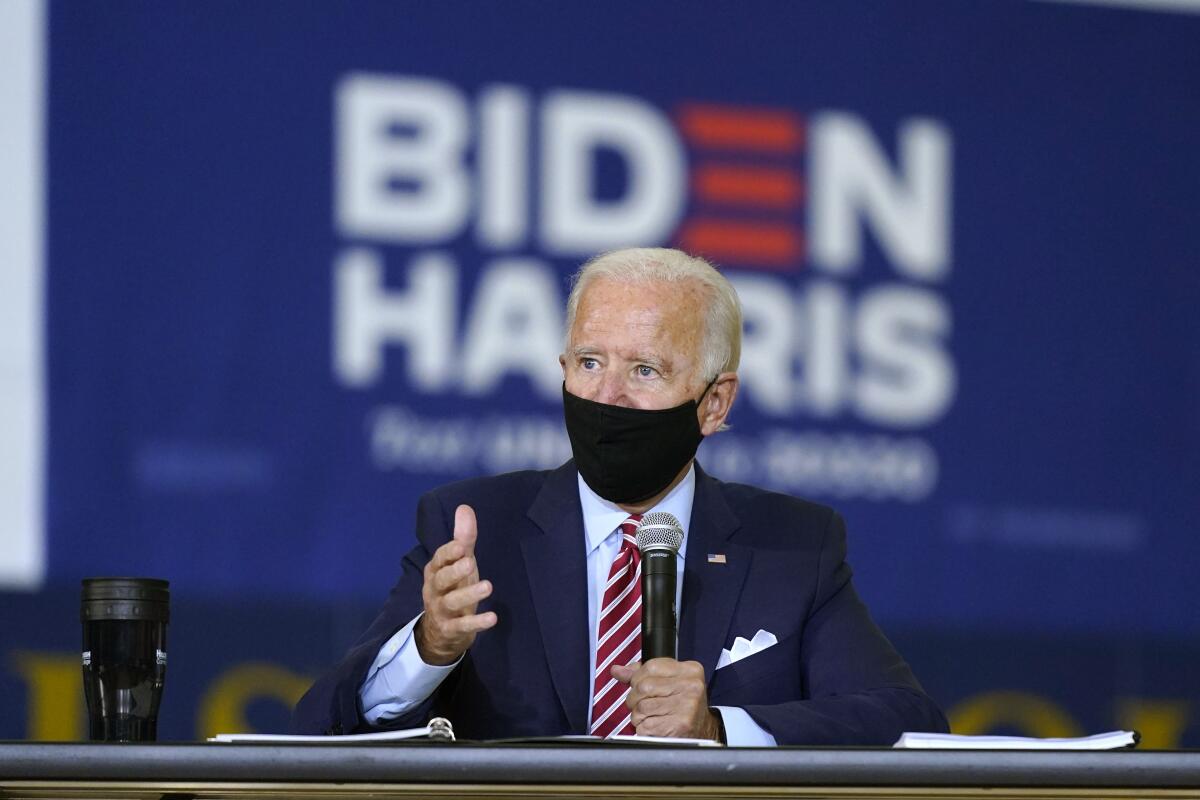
(517, 614)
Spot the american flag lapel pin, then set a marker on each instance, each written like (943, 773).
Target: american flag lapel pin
(716, 558)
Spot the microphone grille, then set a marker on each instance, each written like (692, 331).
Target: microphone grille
(659, 530)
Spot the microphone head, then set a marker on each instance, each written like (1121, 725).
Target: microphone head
(659, 531)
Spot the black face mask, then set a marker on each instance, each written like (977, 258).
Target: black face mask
(627, 455)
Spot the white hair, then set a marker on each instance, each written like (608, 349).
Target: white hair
(721, 349)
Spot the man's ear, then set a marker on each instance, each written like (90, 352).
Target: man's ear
(718, 402)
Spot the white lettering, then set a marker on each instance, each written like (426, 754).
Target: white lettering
(908, 212)
(24, 93)
(503, 167)
(368, 316)
(767, 368)
(399, 159)
(574, 126)
(906, 379)
(515, 325)
(826, 352)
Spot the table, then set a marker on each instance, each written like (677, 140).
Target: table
(180, 771)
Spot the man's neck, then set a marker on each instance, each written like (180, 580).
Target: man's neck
(646, 505)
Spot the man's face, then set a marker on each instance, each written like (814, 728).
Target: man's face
(636, 344)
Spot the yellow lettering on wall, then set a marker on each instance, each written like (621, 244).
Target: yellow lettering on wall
(223, 706)
(1160, 722)
(1030, 714)
(54, 686)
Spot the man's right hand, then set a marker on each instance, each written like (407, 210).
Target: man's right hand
(452, 592)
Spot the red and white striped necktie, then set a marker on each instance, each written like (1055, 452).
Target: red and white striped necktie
(619, 635)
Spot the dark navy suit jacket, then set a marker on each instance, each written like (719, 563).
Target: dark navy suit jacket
(833, 678)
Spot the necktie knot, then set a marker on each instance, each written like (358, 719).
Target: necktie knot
(629, 530)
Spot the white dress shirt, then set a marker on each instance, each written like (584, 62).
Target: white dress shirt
(399, 679)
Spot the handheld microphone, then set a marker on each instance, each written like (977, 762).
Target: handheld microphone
(659, 537)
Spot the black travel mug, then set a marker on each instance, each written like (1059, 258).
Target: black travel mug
(124, 656)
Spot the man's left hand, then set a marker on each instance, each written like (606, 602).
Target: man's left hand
(668, 698)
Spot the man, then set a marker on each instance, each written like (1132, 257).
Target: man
(517, 613)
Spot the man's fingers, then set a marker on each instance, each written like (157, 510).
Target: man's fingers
(451, 575)
(446, 554)
(669, 667)
(639, 715)
(666, 678)
(624, 674)
(451, 594)
(664, 670)
(465, 599)
(668, 698)
(472, 623)
(663, 725)
(657, 687)
(654, 707)
(465, 529)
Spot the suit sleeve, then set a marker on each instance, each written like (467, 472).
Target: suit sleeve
(331, 706)
(857, 688)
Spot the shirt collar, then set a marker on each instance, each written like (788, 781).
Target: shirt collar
(601, 517)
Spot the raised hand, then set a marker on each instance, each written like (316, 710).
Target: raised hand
(451, 594)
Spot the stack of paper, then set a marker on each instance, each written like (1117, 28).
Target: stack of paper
(1113, 740)
(438, 729)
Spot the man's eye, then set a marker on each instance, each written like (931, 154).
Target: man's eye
(646, 372)
(588, 363)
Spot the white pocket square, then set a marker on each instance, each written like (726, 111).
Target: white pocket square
(743, 647)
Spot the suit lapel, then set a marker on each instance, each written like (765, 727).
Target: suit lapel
(710, 590)
(557, 565)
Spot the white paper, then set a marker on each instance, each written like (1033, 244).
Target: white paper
(353, 738)
(635, 739)
(1113, 740)
(664, 740)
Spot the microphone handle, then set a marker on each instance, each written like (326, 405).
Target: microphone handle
(658, 604)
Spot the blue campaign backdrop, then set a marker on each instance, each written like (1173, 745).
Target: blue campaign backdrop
(306, 262)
